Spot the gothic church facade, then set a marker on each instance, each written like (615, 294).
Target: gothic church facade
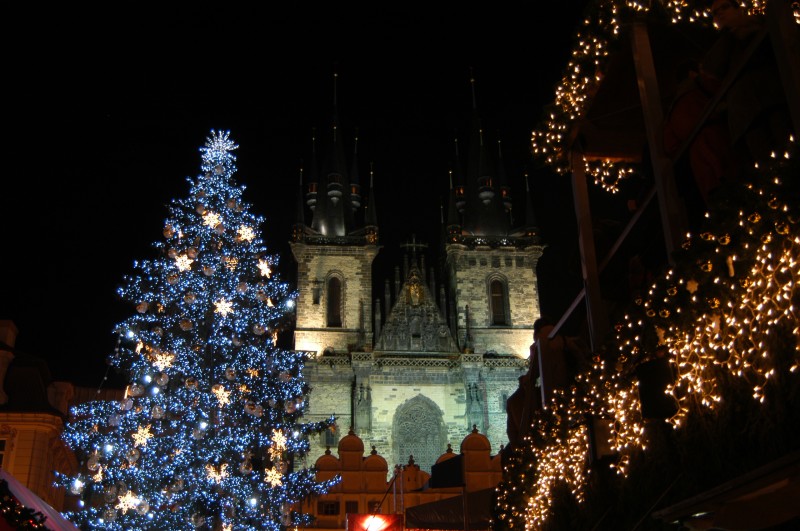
(413, 368)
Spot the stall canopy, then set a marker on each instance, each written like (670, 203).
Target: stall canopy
(449, 513)
(54, 522)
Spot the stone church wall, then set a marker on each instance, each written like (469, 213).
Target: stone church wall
(473, 269)
(353, 265)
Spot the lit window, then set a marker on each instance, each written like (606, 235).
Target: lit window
(2, 452)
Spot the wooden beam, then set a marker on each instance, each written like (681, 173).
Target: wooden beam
(595, 310)
(672, 214)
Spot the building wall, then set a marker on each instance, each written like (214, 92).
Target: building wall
(369, 480)
(470, 273)
(315, 264)
(395, 381)
(34, 450)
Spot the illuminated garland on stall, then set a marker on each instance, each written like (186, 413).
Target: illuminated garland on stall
(209, 426)
(584, 72)
(729, 309)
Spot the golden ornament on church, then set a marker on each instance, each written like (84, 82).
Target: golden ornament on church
(782, 228)
(773, 203)
(725, 239)
(650, 313)
(755, 217)
(713, 302)
(745, 282)
(663, 313)
(766, 237)
(706, 266)
(707, 236)
(672, 291)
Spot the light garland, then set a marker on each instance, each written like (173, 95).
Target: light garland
(728, 313)
(584, 72)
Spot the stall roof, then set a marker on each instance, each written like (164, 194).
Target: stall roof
(612, 126)
(449, 513)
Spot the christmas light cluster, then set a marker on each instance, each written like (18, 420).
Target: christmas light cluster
(208, 431)
(725, 317)
(584, 72)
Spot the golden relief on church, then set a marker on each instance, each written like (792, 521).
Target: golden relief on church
(415, 295)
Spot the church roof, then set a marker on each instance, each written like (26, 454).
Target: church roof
(476, 442)
(415, 323)
(351, 443)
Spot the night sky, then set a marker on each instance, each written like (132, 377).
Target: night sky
(108, 111)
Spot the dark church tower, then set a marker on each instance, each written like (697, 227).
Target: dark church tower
(490, 263)
(334, 253)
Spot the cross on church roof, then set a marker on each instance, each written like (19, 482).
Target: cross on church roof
(414, 246)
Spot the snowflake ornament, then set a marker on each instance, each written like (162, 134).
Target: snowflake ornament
(223, 307)
(141, 436)
(263, 266)
(127, 501)
(273, 477)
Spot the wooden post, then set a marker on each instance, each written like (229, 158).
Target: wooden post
(595, 311)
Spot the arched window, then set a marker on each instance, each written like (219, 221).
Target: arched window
(334, 307)
(499, 302)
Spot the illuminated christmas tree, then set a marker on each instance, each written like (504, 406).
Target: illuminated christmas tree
(207, 434)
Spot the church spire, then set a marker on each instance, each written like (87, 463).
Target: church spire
(299, 225)
(370, 217)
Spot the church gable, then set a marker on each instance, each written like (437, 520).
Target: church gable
(415, 323)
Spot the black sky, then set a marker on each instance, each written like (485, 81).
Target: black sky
(108, 111)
